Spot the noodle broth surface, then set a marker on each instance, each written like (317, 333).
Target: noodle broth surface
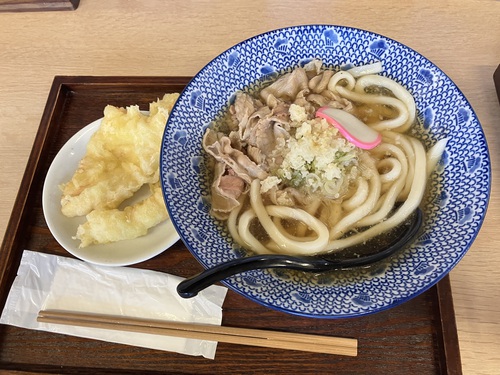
(363, 196)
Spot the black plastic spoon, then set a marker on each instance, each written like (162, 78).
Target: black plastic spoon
(357, 256)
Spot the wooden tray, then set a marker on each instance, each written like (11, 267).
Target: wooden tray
(418, 337)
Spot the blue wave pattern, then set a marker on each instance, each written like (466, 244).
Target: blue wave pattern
(458, 193)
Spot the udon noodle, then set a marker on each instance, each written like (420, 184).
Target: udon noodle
(287, 181)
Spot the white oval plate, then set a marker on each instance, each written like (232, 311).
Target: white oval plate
(121, 253)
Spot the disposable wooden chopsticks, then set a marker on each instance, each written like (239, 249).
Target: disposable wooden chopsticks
(232, 335)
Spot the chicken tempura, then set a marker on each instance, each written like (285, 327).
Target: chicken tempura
(104, 226)
(121, 157)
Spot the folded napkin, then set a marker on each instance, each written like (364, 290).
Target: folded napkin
(52, 282)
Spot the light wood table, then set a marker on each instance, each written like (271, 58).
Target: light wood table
(177, 38)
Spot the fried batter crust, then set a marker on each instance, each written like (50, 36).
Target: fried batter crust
(121, 157)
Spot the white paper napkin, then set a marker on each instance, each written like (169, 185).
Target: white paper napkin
(53, 282)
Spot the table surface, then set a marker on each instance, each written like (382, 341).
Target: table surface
(177, 38)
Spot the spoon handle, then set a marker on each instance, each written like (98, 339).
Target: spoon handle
(191, 286)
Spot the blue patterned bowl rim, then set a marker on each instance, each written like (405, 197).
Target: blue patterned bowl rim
(455, 204)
